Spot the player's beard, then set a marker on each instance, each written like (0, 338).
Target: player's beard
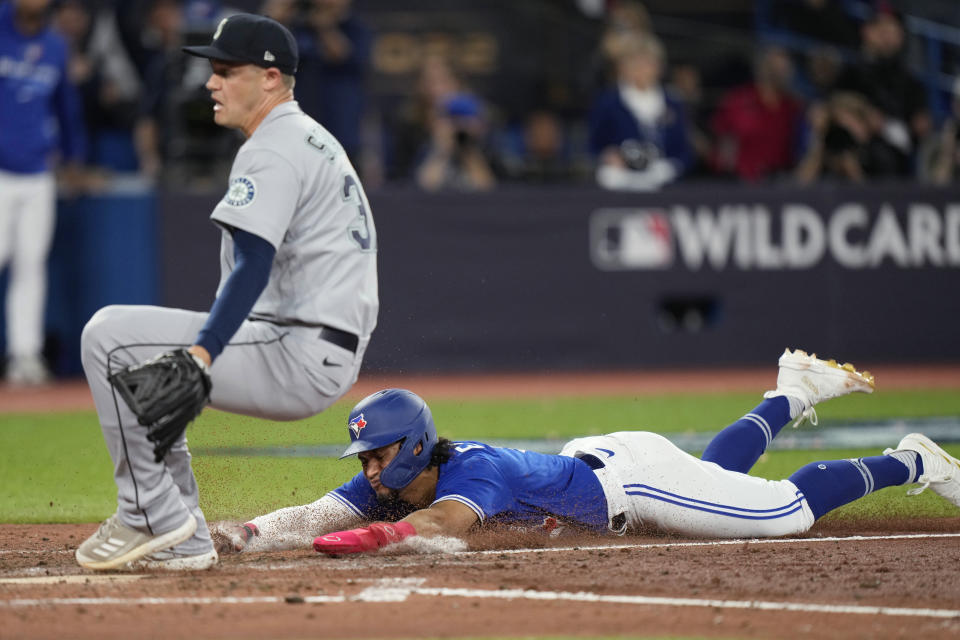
(391, 499)
(392, 503)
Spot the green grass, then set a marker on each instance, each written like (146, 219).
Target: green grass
(565, 417)
(55, 468)
(241, 487)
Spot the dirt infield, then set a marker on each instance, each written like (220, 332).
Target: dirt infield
(869, 580)
(827, 585)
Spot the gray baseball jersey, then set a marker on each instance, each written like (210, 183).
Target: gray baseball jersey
(292, 184)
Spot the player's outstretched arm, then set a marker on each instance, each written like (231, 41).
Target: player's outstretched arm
(287, 528)
(446, 518)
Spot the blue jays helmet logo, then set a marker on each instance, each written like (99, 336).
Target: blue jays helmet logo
(356, 425)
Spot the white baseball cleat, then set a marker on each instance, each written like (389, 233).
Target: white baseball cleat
(812, 380)
(941, 471)
(115, 544)
(27, 371)
(170, 560)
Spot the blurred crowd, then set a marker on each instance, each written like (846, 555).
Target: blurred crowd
(846, 109)
(843, 108)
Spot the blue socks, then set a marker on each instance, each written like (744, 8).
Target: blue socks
(739, 446)
(831, 484)
(825, 485)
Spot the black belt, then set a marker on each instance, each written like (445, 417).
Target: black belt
(593, 461)
(340, 338)
(619, 521)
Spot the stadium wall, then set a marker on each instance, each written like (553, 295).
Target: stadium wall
(570, 278)
(575, 278)
(105, 250)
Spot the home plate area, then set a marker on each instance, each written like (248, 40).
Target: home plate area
(875, 581)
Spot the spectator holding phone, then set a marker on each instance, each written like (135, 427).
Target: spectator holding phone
(638, 132)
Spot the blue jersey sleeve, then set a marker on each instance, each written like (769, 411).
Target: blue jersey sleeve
(476, 481)
(357, 495)
(253, 258)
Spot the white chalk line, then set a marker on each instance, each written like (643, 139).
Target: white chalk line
(406, 560)
(689, 602)
(651, 545)
(83, 578)
(712, 543)
(411, 560)
(400, 589)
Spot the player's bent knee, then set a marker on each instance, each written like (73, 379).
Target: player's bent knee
(99, 334)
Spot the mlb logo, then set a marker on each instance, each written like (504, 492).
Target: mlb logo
(356, 425)
(631, 239)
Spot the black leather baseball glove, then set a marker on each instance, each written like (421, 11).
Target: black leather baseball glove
(166, 392)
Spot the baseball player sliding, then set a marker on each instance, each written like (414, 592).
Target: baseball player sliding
(430, 486)
(285, 337)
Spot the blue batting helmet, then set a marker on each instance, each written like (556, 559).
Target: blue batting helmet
(389, 416)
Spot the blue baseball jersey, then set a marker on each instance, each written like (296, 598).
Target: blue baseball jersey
(504, 486)
(39, 107)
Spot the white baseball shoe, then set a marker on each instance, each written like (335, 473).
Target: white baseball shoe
(170, 560)
(812, 380)
(115, 544)
(27, 371)
(941, 471)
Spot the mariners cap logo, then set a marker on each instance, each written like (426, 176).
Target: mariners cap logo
(220, 28)
(356, 425)
(251, 39)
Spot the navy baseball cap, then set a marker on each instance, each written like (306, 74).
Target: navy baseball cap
(251, 39)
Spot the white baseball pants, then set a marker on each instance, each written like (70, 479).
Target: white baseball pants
(27, 215)
(653, 483)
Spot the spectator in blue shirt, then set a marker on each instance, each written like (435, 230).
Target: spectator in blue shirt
(638, 132)
(35, 92)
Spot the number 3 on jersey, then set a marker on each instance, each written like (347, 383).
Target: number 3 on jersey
(359, 231)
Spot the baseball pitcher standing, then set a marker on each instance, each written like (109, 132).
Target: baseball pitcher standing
(285, 337)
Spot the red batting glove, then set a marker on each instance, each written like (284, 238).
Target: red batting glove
(378, 534)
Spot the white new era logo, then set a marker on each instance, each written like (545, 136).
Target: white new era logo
(269, 57)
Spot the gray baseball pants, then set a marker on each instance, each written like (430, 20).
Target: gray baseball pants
(267, 371)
